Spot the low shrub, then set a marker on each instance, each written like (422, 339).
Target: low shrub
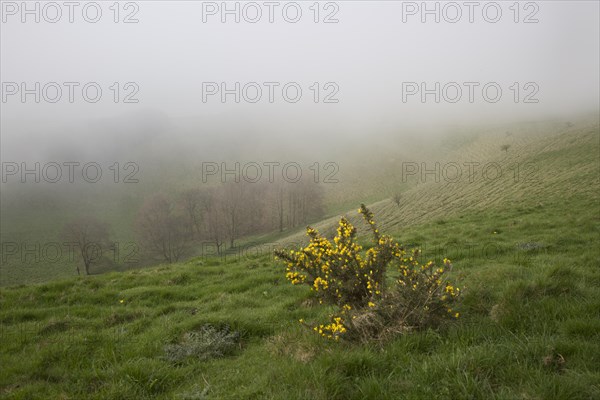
(206, 343)
(353, 280)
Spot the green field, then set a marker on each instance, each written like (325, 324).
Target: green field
(524, 247)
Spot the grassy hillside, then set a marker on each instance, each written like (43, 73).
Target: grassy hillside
(34, 215)
(556, 171)
(33, 220)
(525, 252)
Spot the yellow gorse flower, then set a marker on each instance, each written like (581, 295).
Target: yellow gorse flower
(341, 273)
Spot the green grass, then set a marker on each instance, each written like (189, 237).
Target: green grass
(75, 339)
(526, 255)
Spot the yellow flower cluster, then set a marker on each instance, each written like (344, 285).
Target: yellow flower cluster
(320, 282)
(295, 277)
(332, 330)
(451, 293)
(336, 271)
(342, 274)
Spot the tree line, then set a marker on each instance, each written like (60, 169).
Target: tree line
(168, 227)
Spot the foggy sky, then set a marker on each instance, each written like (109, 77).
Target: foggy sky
(368, 54)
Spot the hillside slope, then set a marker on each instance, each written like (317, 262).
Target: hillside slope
(549, 171)
(525, 253)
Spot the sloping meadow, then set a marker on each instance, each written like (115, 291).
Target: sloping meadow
(529, 327)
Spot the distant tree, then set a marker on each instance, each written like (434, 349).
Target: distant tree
(280, 205)
(215, 218)
(233, 198)
(570, 124)
(254, 218)
(90, 237)
(505, 147)
(297, 203)
(397, 198)
(161, 229)
(192, 202)
(312, 198)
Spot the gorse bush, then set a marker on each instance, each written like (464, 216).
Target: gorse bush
(356, 282)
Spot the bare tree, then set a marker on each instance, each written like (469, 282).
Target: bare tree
(161, 230)
(215, 219)
(90, 236)
(225, 213)
(192, 201)
(296, 204)
(307, 202)
(280, 205)
(255, 210)
(233, 198)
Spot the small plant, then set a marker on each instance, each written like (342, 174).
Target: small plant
(554, 361)
(353, 280)
(206, 343)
